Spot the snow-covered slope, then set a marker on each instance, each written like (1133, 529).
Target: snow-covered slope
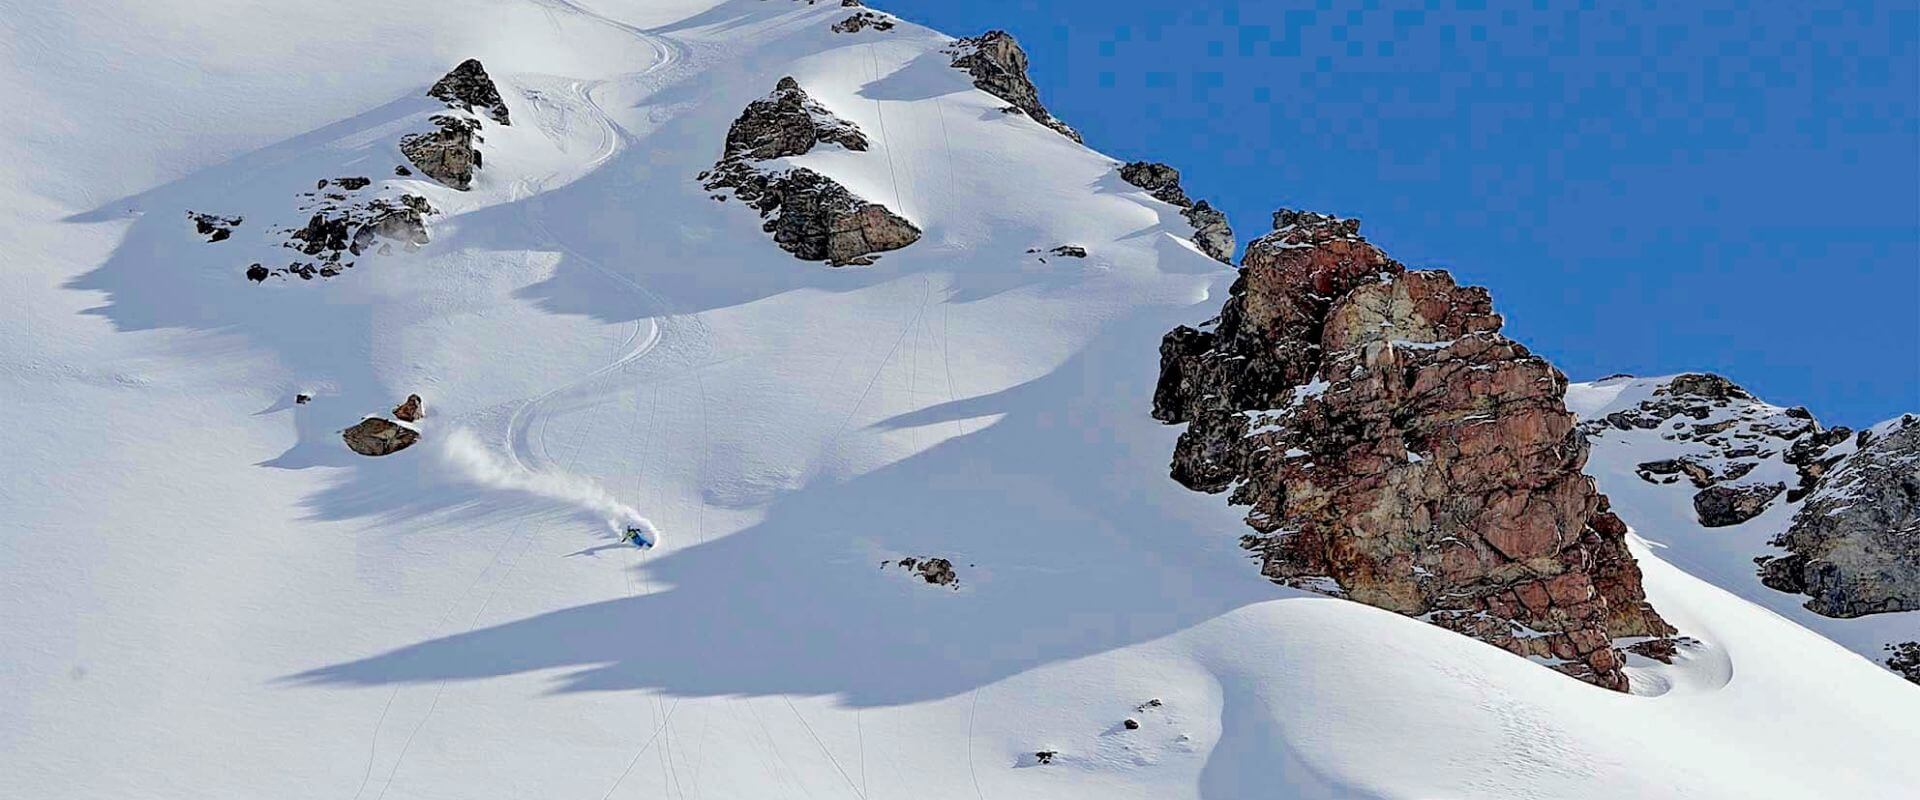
(206, 595)
(1735, 442)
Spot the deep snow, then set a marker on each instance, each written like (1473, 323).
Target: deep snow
(207, 596)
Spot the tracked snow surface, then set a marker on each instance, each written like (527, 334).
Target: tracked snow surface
(207, 595)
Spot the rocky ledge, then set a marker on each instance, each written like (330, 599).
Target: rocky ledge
(808, 214)
(375, 436)
(999, 68)
(1396, 450)
(448, 154)
(1854, 548)
(1210, 230)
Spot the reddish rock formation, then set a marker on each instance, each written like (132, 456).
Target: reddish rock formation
(1397, 450)
(409, 411)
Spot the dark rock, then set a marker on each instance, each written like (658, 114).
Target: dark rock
(352, 184)
(1395, 449)
(1069, 251)
(862, 20)
(337, 232)
(1045, 756)
(1720, 506)
(787, 123)
(410, 410)
(401, 170)
(378, 437)
(468, 88)
(1210, 230)
(1905, 660)
(447, 155)
(257, 273)
(1130, 724)
(809, 214)
(937, 571)
(1854, 548)
(999, 68)
(302, 399)
(215, 228)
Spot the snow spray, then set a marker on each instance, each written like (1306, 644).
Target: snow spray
(469, 457)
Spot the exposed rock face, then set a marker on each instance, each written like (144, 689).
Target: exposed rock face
(1855, 546)
(378, 437)
(809, 214)
(1744, 454)
(1210, 230)
(343, 227)
(215, 228)
(468, 88)
(446, 155)
(1397, 450)
(999, 68)
(862, 20)
(409, 411)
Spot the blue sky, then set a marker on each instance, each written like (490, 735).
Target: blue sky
(1646, 187)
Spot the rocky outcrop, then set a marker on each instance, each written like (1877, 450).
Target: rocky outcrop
(216, 228)
(861, 20)
(447, 155)
(469, 89)
(934, 570)
(409, 411)
(1904, 660)
(1396, 450)
(1210, 230)
(375, 436)
(1741, 455)
(999, 68)
(1854, 548)
(343, 227)
(808, 214)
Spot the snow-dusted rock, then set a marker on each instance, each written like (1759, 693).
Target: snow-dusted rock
(449, 154)
(999, 68)
(1854, 548)
(468, 88)
(375, 436)
(1211, 233)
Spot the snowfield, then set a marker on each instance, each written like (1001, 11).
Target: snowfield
(206, 595)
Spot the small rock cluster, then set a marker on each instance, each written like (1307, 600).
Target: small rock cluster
(378, 436)
(1735, 434)
(1210, 230)
(1904, 660)
(1854, 548)
(862, 20)
(344, 226)
(1396, 450)
(808, 214)
(937, 571)
(216, 228)
(999, 68)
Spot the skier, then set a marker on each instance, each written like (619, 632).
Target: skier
(634, 535)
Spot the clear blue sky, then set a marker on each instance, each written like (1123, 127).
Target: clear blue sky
(1646, 187)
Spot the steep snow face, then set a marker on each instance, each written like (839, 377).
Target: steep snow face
(208, 595)
(1653, 474)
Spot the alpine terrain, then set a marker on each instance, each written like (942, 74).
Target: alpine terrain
(774, 399)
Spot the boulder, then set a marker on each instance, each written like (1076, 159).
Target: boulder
(1720, 506)
(999, 68)
(409, 411)
(1395, 449)
(216, 228)
(787, 123)
(468, 88)
(375, 436)
(448, 154)
(862, 20)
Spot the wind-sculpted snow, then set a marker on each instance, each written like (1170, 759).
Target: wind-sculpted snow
(210, 595)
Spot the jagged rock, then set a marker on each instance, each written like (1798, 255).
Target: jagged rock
(1210, 230)
(999, 68)
(302, 399)
(1854, 548)
(353, 184)
(1069, 251)
(1395, 449)
(1045, 756)
(809, 214)
(410, 410)
(788, 123)
(401, 170)
(447, 155)
(862, 20)
(468, 88)
(378, 437)
(216, 228)
(1905, 660)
